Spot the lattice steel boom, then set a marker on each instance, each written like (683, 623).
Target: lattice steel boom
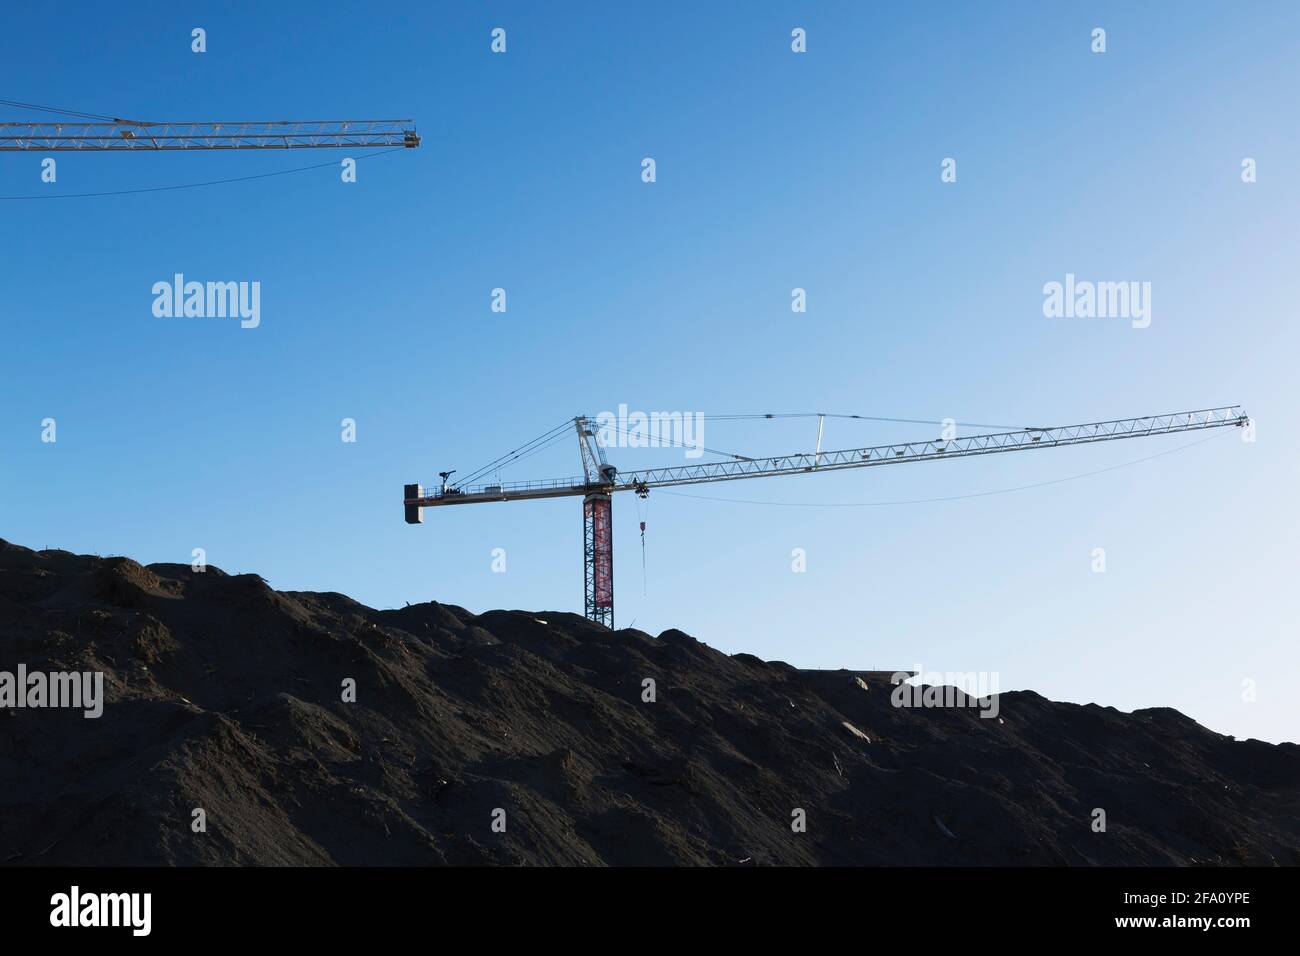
(56, 136)
(601, 480)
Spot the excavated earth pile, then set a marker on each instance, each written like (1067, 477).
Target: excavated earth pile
(223, 695)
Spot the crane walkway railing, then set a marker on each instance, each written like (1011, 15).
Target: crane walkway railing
(435, 490)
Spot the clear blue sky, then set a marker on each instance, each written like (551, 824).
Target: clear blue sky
(775, 171)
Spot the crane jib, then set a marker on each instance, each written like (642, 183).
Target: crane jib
(128, 135)
(601, 480)
(1022, 440)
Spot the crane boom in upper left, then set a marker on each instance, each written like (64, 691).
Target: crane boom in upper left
(124, 135)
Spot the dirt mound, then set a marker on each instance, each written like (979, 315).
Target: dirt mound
(124, 583)
(309, 729)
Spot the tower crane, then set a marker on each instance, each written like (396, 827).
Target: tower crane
(601, 480)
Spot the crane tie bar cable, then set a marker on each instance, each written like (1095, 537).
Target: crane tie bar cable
(867, 418)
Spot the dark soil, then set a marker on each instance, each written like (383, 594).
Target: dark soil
(226, 695)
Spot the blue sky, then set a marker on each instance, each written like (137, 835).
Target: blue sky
(774, 170)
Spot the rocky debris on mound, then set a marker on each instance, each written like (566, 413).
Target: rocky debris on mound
(242, 725)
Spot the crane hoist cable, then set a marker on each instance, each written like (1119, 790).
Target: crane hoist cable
(643, 510)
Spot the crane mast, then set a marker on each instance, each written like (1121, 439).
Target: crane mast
(600, 480)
